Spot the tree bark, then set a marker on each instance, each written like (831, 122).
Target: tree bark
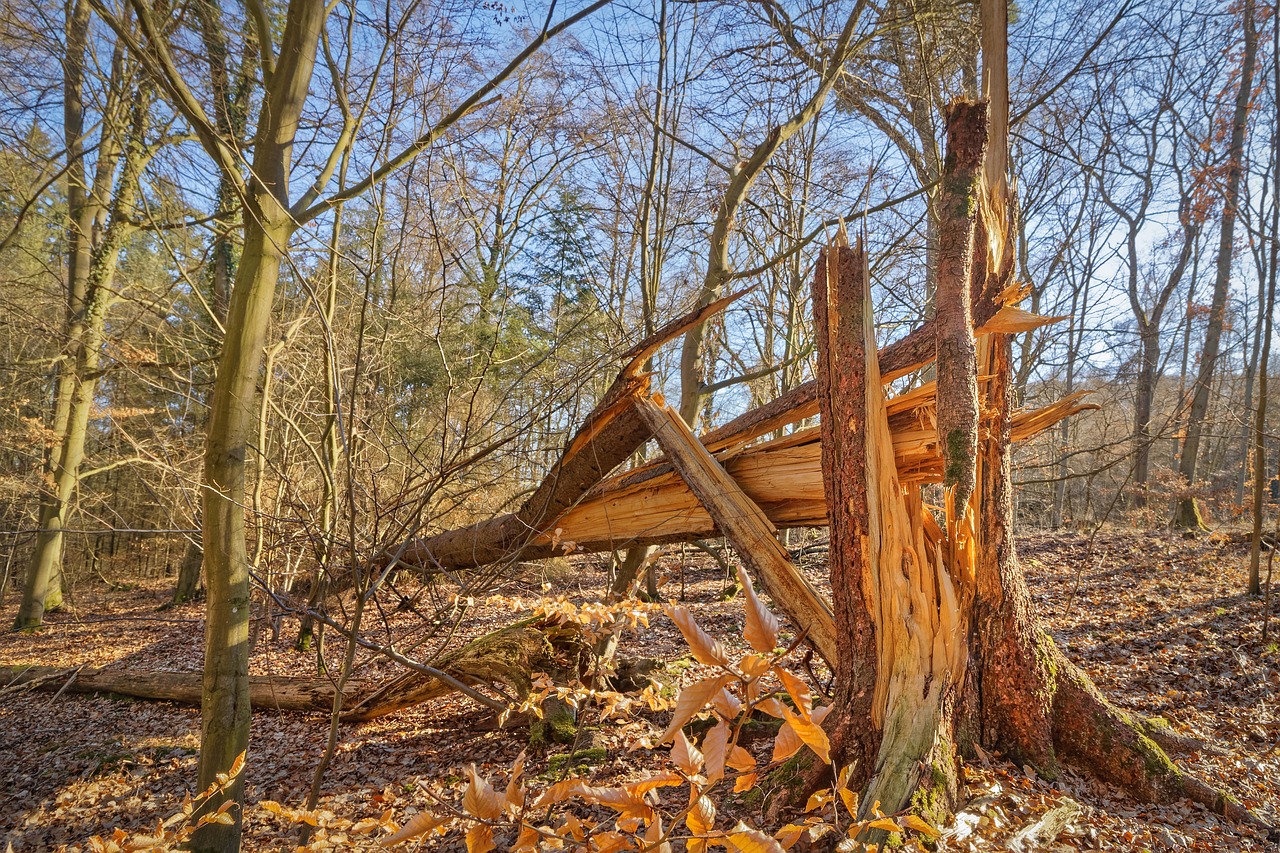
(1187, 513)
(80, 379)
(956, 361)
(266, 692)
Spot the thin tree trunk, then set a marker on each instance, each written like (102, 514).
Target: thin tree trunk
(82, 377)
(1187, 514)
(744, 174)
(1271, 252)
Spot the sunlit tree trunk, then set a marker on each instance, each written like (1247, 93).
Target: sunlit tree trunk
(229, 114)
(1187, 513)
(92, 294)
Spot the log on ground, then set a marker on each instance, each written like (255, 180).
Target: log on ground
(266, 692)
(507, 658)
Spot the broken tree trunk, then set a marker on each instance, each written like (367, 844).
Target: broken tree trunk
(266, 692)
(653, 505)
(956, 362)
(743, 523)
(902, 593)
(608, 437)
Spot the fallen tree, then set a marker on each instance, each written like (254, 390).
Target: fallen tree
(654, 504)
(505, 660)
(266, 692)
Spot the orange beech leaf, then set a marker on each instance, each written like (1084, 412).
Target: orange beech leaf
(919, 824)
(818, 799)
(515, 790)
(558, 792)
(662, 780)
(745, 782)
(653, 838)
(790, 835)
(573, 827)
(480, 799)
(888, 824)
(701, 817)
(685, 755)
(418, 825)
(705, 649)
(813, 736)
(744, 839)
(480, 838)
(740, 759)
(753, 666)
(692, 700)
(528, 840)
(772, 707)
(612, 842)
(786, 743)
(849, 798)
(762, 626)
(726, 704)
(715, 747)
(796, 689)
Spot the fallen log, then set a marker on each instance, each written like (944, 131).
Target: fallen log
(266, 692)
(608, 437)
(508, 657)
(753, 535)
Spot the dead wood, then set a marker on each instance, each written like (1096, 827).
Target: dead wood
(266, 692)
(607, 438)
(743, 523)
(508, 657)
(783, 477)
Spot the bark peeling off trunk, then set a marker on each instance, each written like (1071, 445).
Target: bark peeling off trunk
(838, 306)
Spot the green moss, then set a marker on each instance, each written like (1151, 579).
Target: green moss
(566, 761)
(556, 726)
(786, 782)
(1155, 759)
(930, 800)
(1047, 654)
(961, 192)
(958, 459)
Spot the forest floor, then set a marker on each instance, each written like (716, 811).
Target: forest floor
(1160, 623)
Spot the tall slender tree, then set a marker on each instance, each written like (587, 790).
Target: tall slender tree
(271, 217)
(1187, 514)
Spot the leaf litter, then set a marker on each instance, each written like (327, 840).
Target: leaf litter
(1161, 623)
